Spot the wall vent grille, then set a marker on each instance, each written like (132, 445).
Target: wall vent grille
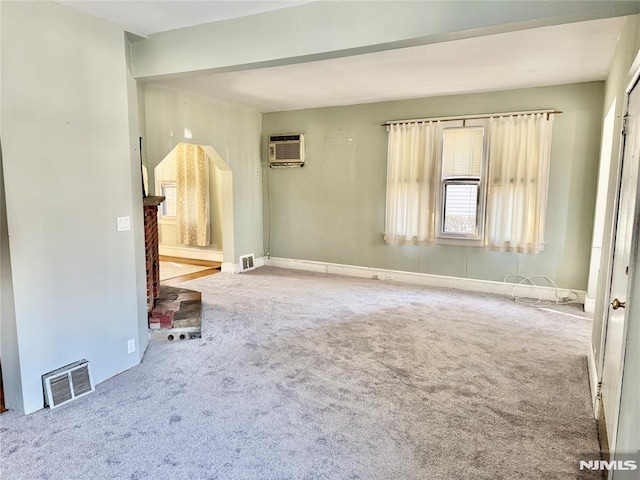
(247, 262)
(67, 383)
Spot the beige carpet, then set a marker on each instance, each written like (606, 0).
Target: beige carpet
(171, 270)
(305, 376)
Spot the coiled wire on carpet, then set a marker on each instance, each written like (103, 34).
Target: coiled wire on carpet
(537, 302)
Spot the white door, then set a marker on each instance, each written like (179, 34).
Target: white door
(622, 258)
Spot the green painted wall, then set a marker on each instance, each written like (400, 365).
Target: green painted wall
(333, 208)
(234, 132)
(69, 173)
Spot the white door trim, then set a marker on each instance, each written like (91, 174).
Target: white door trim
(631, 84)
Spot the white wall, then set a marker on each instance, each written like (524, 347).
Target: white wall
(628, 438)
(614, 97)
(628, 433)
(68, 174)
(137, 214)
(8, 336)
(604, 173)
(234, 133)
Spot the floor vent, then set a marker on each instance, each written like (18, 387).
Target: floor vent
(67, 383)
(247, 262)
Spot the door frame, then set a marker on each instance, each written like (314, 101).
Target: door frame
(632, 81)
(2, 404)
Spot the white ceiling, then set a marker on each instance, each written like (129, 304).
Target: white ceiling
(568, 53)
(147, 17)
(575, 52)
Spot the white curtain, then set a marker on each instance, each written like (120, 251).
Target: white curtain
(192, 192)
(412, 182)
(519, 149)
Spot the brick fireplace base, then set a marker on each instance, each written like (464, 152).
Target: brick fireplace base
(174, 313)
(177, 314)
(150, 205)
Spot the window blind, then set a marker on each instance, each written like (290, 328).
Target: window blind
(462, 152)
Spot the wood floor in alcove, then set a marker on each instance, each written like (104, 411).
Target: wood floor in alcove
(213, 268)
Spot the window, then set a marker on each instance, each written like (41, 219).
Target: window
(168, 207)
(479, 181)
(462, 186)
(460, 207)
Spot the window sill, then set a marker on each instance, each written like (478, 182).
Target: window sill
(460, 242)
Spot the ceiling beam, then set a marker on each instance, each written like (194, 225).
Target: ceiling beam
(333, 29)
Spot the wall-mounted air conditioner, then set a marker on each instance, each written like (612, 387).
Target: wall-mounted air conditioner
(286, 150)
(66, 383)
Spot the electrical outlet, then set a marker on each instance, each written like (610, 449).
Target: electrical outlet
(131, 346)
(388, 277)
(124, 223)
(375, 277)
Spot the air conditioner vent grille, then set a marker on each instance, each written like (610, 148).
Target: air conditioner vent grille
(288, 151)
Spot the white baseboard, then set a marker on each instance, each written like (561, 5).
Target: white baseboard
(191, 253)
(456, 283)
(590, 305)
(593, 381)
(228, 267)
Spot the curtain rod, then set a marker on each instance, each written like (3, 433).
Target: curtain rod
(471, 117)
